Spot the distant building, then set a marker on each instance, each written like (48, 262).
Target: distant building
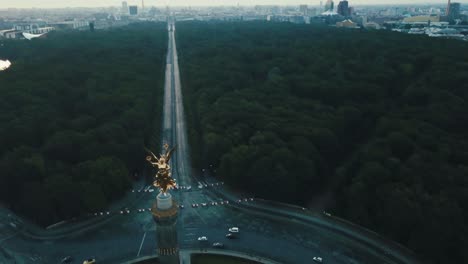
(343, 8)
(447, 10)
(303, 9)
(124, 7)
(70, 25)
(32, 28)
(347, 24)
(133, 10)
(454, 11)
(417, 19)
(371, 25)
(329, 13)
(296, 19)
(19, 30)
(12, 34)
(329, 5)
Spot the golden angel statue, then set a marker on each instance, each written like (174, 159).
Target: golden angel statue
(163, 177)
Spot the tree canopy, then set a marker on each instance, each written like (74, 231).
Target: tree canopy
(286, 111)
(76, 110)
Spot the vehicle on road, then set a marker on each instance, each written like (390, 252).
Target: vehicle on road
(188, 188)
(90, 261)
(218, 245)
(202, 238)
(67, 259)
(203, 204)
(317, 259)
(234, 230)
(230, 236)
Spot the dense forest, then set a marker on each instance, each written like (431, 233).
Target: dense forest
(377, 118)
(76, 110)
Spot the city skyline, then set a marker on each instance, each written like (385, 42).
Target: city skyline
(103, 3)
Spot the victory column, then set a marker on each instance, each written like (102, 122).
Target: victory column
(164, 209)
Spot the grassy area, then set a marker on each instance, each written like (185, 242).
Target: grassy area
(217, 259)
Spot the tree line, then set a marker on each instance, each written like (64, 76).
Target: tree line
(76, 110)
(379, 119)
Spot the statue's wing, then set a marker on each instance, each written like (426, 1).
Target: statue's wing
(169, 153)
(152, 154)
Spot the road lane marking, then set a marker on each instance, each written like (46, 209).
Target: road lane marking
(141, 245)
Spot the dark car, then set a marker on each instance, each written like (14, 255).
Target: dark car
(230, 236)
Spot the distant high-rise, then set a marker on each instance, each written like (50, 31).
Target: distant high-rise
(343, 8)
(454, 11)
(133, 10)
(142, 6)
(447, 11)
(329, 5)
(124, 7)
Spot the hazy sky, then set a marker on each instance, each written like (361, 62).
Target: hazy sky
(95, 3)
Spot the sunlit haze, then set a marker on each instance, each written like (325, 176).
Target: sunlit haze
(90, 3)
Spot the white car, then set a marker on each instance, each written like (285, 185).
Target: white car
(234, 230)
(203, 238)
(317, 259)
